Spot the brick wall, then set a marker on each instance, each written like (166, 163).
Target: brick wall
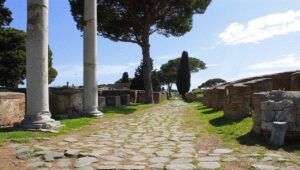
(12, 108)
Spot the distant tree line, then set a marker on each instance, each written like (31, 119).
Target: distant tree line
(176, 71)
(211, 83)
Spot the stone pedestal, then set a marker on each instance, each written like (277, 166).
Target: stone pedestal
(133, 96)
(278, 133)
(38, 116)
(113, 101)
(90, 92)
(125, 99)
(101, 103)
(141, 96)
(66, 102)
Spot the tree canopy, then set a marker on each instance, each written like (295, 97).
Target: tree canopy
(5, 15)
(135, 20)
(168, 71)
(211, 83)
(125, 78)
(183, 81)
(137, 82)
(13, 58)
(126, 20)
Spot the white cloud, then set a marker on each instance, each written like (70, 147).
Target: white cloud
(289, 61)
(262, 28)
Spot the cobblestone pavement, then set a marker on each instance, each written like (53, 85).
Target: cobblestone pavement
(152, 140)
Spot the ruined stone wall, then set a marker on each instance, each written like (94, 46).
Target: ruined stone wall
(141, 96)
(236, 103)
(191, 96)
(218, 98)
(12, 108)
(295, 81)
(113, 92)
(283, 106)
(207, 95)
(238, 96)
(159, 97)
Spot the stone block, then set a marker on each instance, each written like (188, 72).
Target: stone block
(113, 101)
(159, 97)
(278, 133)
(133, 96)
(218, 98)
(125, 99)
(12, 108)
(141, 96)
(191, 96)
(237, 101)
(207, 94)
(66, 102)
(277, 106)
(101, 103)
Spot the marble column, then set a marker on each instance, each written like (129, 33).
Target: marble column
(90, 92)
(37, 116)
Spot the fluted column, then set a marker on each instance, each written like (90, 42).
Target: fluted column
(37, 115)
(90, 93)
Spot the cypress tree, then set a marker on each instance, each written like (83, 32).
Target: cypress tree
(183, 81)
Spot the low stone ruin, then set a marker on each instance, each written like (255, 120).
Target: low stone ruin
(238, 96)
(67, 102)
(218, 98)
(12, 108)
(271, 108)
(113, 101)
(235, 97)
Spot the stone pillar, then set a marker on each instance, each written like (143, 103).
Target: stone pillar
(278, 133)
(38, 116)
(90, 93)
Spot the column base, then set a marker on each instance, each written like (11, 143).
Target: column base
(39, 122)
(95, 113)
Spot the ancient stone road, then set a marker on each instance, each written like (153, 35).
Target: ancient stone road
(152, 140)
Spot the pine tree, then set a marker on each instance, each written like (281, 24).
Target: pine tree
(183, 81)
(137, 82)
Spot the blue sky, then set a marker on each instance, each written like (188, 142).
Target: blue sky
(235, 38)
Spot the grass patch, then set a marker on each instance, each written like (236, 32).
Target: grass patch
(215, 123)
(70, 125)
(235, 132)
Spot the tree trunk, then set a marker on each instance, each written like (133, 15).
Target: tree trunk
(147, 69)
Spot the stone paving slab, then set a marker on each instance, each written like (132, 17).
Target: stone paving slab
(153, 140)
